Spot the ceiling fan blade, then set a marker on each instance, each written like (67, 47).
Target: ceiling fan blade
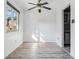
(31, 3)
(46, 7)
(32, 8)
(44, 3)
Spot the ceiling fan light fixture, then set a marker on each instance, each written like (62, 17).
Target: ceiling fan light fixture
(39, 10)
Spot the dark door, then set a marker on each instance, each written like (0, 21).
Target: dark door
(67, 27)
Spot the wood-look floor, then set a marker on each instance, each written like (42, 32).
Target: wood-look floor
(39, 51)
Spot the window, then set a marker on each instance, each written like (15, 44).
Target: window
(12, 18)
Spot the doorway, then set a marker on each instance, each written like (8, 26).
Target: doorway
(67, 29)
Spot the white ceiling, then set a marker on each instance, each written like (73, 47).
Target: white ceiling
(55, 4)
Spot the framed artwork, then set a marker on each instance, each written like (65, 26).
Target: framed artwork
(12, 20)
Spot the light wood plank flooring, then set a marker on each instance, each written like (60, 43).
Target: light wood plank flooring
(39, 51)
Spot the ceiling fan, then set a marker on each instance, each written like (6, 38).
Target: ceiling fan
(39, 4)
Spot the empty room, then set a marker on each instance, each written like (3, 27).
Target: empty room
(39, 29)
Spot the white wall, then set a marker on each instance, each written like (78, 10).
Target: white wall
(59, 27)
(40, 24)
(13, 39)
